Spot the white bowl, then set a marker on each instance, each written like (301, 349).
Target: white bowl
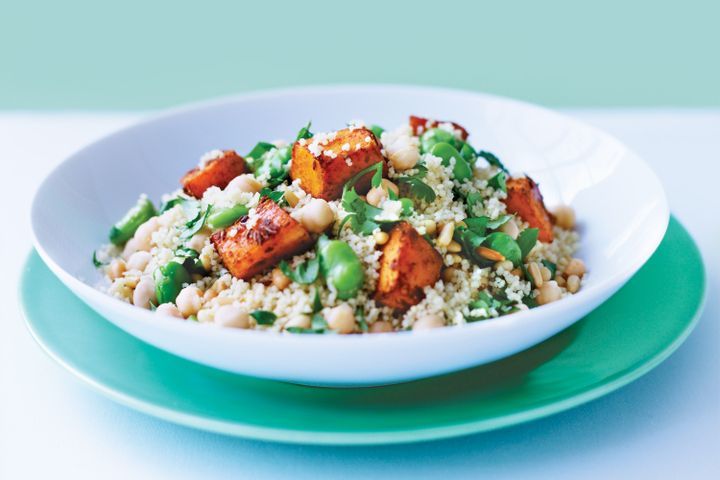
(619, 201)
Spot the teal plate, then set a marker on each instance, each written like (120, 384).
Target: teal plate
(626, 337)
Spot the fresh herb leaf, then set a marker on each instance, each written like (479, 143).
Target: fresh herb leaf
(97, 263)
(258, 151)
(276, 196)
(263, 317)
(550, 266)
(473, 200)
(477, 225)
(167, 205)
(377, 131)
(530, 301)
(196, 224)
(526, 240)
(505, 245)
(498, 182)
(416, 187)
(303, 330)
(360, 316)
(190, 259)
(317, 304)
(305, 132)
(492, 160)
(499, 222)
(305, 273)
(318, 322)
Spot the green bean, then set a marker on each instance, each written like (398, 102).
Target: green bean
(125, 228)
(341, 267)
(437, 135)
(225, 217)
(169, 280)
(461, 169)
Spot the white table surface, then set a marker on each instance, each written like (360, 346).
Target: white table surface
(667, 424)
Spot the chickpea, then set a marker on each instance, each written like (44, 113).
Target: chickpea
(317, 215)
(448, 274)
(376, 196)
(381, 238)
(232, 316)
(144, 293)
(429, 321)
(244, 183)
(138, 261)
(168, 309)
(549, 292)
(511, 228)
(143, 235)
(205, 316)
(405, 157)
(575, 267)
(130, 247)
(116, 268)
(299, 321)
(573, 283)
(279, 279)
(381, 326)
(189, 301)
(564, 217)
(341, 318)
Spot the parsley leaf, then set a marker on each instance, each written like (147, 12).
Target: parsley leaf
(305, 273)
(305, 132)
(258, 151)
(263, 317)
(499, 222)
(417, 188)
(196, 223)
(492, 160)
(167, 205)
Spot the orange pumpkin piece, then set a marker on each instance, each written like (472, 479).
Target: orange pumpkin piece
(325, 163)
(217, 172)
(257, 242)
(524, 198)
(408, 264)
(420, 125)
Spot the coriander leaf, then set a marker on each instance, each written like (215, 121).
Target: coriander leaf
(305, 132)
(492, 160)
(377, 131)
(196, 224)
(530, 301)
(361, 214)
(499, 222)
(305, 273)
(417, 188)
(550, 266)
(276, 196)
(258, 151)
(190, 259)
(167, 205)
(377, 176)
(263, 317)
(505, 245)
(526, 240)
(498, 182)
(477, 225)
(407, 207)
(376, 168)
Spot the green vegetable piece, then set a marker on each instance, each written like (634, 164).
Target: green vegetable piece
(305, 132)
(196, 224)
(169, 280)
(340, 267)
(526, 240)
(263, 317)
(225, 217)
(468, 153)
(190, 259)
(550, 266)
(276, 196)
(504, 243)
(305, 273)
(498, 182)
(179, 200)
(360, 316)
(499, 222)
(437, 135)
(124, 229)
(477, 225)
(377, 131)
(492, 160)
(97, 263)
(461, 170)
(417, 188)
(258, 151)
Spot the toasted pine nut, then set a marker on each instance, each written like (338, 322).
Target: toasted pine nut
(505, 265)
(381, 237)
(534, 271)
(454, 247)
(575, 267)
(291, 198)
(573, 283)
(517, 272)
(448, 274)
(560, 280)
(446, 235)
(546, 273)
(490, 254)
(430, 227)
(549, 292)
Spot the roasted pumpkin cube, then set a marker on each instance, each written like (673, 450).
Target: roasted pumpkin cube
(420, 125)
(216, 172)
(524, 198)
(258, 241)
(408, 264)
(325, 162)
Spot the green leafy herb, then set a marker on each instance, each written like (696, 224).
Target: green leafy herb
(487, 302)
(318, 322)
(361, 215)
(550, 266)
(97, 263)
(303, 330)
(167, 205)
(360, 316)
(499, 222)
(477, 225)
(468, 153)
(526, 240)
(273, 164)
(416, 187)
(305, 273)
(498, 182)
(263, 317)
(472, 201)
(317, 303)
(505, 245)
(258, 151)
(305, 132)
(492, 160)
(190, 259)
(530, 301)
(196, 224)
(276, 196)
(377, 131)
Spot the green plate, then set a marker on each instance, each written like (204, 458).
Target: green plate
(620, 341)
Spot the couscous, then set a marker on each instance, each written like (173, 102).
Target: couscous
(359, 230)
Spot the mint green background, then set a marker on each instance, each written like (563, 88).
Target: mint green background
(142, 54)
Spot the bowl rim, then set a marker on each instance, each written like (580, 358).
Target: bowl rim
(147, 317)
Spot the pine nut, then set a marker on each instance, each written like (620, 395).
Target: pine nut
(575, 267)
(506, 265)
(549, 292)
(573, 284)
(446, 235)
(546, 273)
(454, 247)
(534, 271)
(560, 280)
(430, 227)
(490, 254)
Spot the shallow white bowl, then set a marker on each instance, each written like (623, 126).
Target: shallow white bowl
(619, 201)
